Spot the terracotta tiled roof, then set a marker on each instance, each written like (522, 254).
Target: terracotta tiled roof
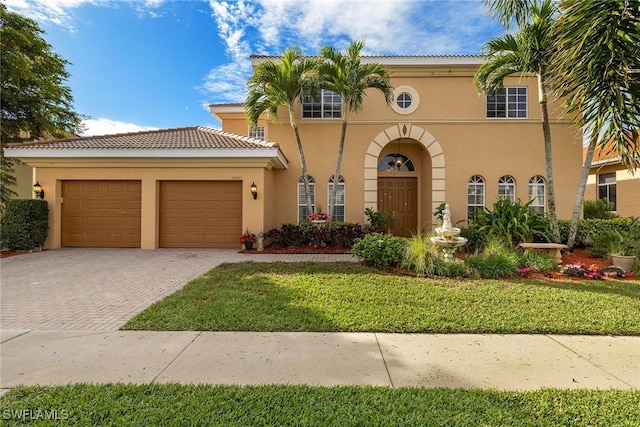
(164, 139)
(605, 154)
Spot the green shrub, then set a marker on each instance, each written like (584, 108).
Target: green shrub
(476, 239)
(513, 222)
(379, 221)
(538, 261)
(455, 268)
(605, 243)
(25, 224)
(344, 234)
(495, 261)
(383, 250)
(588, 229)
(600, 209)
(420, 255)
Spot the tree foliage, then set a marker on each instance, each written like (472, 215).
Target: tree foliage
(277, 84)
(529, 50)
(346, 75)
(36, 101)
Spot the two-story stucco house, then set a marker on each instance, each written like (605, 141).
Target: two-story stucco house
(439, 141)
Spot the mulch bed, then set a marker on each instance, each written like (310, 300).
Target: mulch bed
(577, 256)
(6, 253)
(300, 250)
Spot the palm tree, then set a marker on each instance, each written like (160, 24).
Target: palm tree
(527, 51)
(282, 84)
(346, 75)
(596, 69)
(506, 11)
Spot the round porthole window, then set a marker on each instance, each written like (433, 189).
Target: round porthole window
(406, 100)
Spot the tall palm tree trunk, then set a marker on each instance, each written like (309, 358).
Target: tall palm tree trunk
(577, 207)
(548, 162)
(336, 176)
(303, 162)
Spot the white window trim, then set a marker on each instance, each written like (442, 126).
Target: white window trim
(322, 105)
(256, 133)
(484, 191)
(299, 204)
(415, 100)
(539, 182)
(344, 192)
(526, 116)
(507, 185)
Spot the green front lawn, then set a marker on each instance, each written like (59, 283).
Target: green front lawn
(352, 297)
(273, 405)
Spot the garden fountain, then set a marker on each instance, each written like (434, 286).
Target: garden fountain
(447, 239)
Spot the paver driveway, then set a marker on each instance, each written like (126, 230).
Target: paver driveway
(102, 288)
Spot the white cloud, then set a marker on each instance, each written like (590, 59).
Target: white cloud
(60, 12)
(104, 126)
(390, 27)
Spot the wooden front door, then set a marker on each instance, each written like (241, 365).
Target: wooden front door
(400, 196)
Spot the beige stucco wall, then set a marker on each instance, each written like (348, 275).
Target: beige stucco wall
(627, 188)
(24, 181)
(451, 120)
(254, 214)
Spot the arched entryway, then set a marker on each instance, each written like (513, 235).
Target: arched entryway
(433, 178)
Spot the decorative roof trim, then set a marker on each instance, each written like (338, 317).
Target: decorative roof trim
(427, 60)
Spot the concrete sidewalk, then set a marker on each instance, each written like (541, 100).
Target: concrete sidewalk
(506, 362)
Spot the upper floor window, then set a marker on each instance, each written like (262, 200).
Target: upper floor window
(607, 187)
(507, 188)
(339, 209)
(302, 198)
(406, 100)
(325, 105)
(537, 194)
(475, 196)
(507, 102)
(256, 132)
(397, 162)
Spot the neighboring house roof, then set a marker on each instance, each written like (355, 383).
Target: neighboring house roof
(605, 155)
(197, 142)
(236, 107)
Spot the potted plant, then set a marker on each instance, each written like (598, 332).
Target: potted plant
(248, 239)
(318, 217)
(626, 251)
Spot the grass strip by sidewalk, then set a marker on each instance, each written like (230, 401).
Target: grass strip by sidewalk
(277, 405)
(327, 297)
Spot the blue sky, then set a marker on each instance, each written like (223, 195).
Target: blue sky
(149, 64)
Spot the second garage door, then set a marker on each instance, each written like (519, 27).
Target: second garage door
(200, 214)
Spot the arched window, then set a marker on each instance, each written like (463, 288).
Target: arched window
(302, 198)
(475, 196)
(397, 162)
(507, 188)
(537, 194)
(339, 211)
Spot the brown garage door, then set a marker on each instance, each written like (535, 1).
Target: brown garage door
(200, 214)
(101, 213)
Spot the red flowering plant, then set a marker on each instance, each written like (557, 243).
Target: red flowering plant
(247, 237)
(318, 216)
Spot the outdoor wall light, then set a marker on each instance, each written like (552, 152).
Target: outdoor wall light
(38, 191)
(254, 190)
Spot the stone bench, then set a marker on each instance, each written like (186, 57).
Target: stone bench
(554, 248)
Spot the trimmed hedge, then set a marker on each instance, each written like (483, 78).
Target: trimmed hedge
(591, 227)
(383, 250)
(25, 224)
(342, 234)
